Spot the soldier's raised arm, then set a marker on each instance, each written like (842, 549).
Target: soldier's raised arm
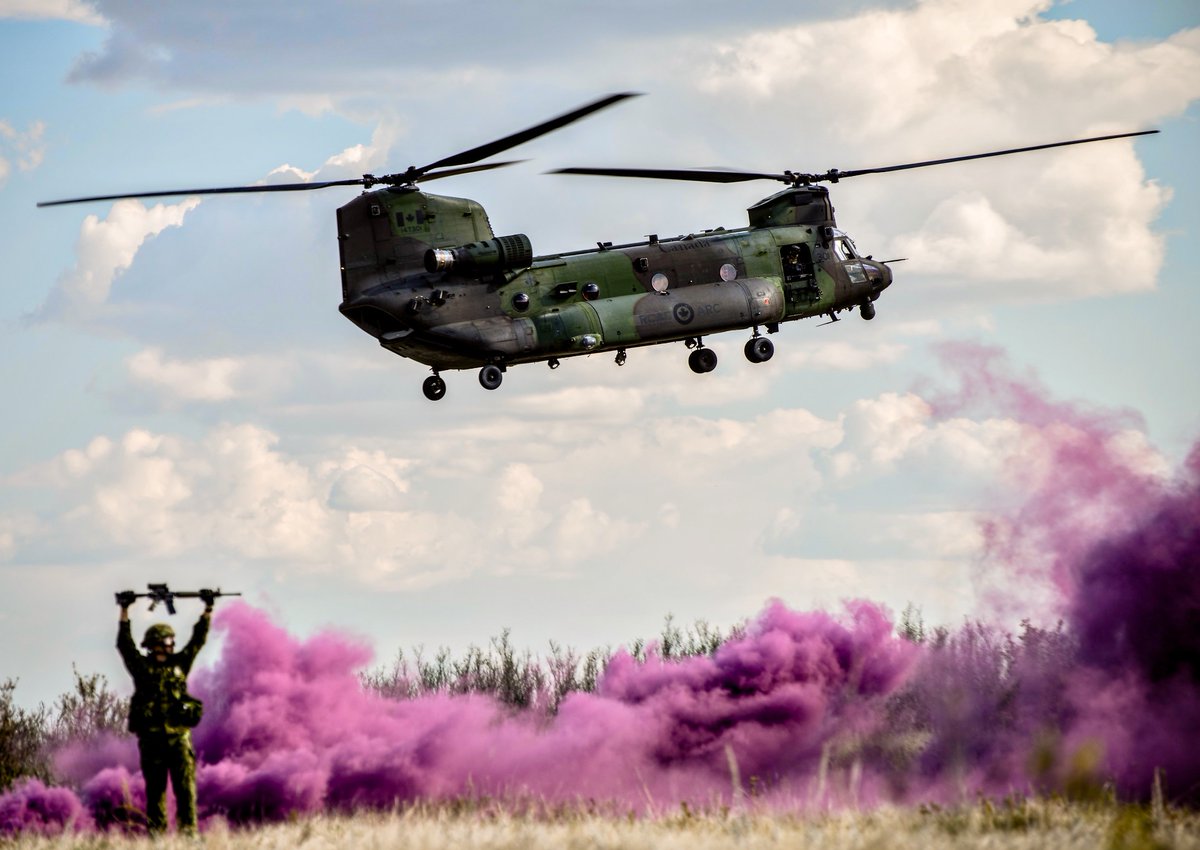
(187, 655)
(125, 645)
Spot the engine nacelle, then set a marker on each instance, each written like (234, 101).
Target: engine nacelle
(500, 254)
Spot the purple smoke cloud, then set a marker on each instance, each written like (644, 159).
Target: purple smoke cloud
(803, 710)
(1121, 546)
(291, 729)
(34, 808)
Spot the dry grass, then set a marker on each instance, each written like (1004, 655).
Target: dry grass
(1023, 824)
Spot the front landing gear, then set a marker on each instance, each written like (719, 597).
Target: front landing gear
(434, 387)
(490, 376)
(702, 360)
(759, 349)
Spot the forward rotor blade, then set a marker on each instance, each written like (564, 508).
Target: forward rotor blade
(835, 175)
(450, 172)
(491, 148)
(224, 190)
(697, 175)
(832, 176)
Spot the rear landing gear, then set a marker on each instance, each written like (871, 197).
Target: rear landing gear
(434, 387)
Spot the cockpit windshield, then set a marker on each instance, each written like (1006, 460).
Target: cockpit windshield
(844, 248)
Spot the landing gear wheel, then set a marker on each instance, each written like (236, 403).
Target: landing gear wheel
(702, 360)
(434, 387)
(621, 357)
(759, 349)
(490, 377)
(867, 310)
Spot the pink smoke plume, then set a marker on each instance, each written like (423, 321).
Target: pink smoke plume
(804, 709)
(289, 728)
(292, 730)
(1120, 543)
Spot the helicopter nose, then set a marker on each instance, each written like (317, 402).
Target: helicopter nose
(886, 279)
(879, 275)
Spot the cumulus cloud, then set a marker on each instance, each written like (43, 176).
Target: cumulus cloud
(236, 493)
(998, 60)
(107, 247)
(209, 379)
(25, 147)
(158, 380)
(891, 486)
(842, 356)
(948, 78)
(79, 11)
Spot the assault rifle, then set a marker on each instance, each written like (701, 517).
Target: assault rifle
(161, 593)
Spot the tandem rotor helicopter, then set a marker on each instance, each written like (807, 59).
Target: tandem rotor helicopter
(426, 276)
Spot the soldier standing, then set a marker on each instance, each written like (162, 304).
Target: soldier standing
(162, 713)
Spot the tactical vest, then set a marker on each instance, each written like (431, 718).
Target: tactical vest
(161, 701)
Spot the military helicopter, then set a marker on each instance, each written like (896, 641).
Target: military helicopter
(426, 276)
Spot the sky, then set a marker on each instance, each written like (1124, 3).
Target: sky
(184, 403)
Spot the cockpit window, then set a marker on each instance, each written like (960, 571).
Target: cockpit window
(844, 248)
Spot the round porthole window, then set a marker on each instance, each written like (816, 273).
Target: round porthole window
(520, 302)
(659, 282)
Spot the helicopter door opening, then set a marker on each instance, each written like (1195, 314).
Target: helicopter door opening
(797, 264)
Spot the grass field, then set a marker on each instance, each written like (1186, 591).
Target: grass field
(1021, 824)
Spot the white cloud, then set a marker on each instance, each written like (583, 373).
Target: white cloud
(936, 534)
(589, 401)
(209, 379)
(105, 249)
(519, 514)
(1084, 237)
(26, 147)
(944, 78)
(841, 356)
(79, 11)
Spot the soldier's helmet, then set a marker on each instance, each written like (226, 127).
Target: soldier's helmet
(157, 634)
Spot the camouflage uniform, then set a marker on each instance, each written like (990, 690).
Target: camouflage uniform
(157, 716)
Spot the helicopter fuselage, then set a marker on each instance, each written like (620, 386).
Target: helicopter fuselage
(425, 275)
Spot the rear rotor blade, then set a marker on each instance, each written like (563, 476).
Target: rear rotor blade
(450, 165)
(484, 151)
(224, 190)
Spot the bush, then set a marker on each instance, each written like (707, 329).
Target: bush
(27, 738)
(524, 681)
(22, 739)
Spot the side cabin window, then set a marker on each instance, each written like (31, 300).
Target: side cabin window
(797, 263)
